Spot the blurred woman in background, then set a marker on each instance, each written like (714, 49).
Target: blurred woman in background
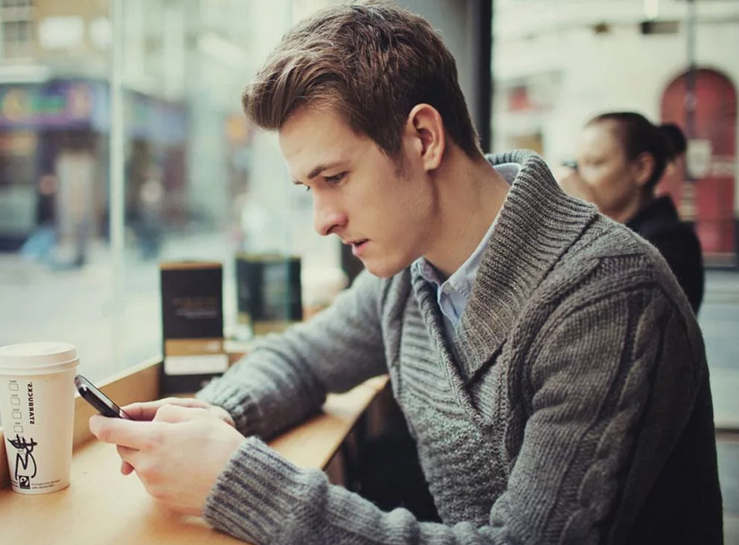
(621, 158)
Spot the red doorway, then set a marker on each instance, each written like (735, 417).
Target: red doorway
(709, 201)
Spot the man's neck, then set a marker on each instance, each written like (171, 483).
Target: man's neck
(471, 193)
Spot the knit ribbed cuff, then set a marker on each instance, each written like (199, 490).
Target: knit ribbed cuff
(250, 498)
(242, 408)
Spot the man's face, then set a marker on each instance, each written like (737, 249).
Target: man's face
(358, 192)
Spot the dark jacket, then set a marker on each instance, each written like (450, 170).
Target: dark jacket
(659, 223)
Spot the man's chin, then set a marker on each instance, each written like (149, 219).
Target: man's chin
(382, 270)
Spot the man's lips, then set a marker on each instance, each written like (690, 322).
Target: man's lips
(358, 246)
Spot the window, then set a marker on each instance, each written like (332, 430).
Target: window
(17, 31)
(197, 181)
(17, 3)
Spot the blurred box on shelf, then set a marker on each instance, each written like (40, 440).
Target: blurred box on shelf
(192, 325)
(268, 290)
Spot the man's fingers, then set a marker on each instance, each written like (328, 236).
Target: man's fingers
(125, 453)
(173, 414)
(128, 459)
(128, 433)
(148, 410)
(223, 414)
(142, 411)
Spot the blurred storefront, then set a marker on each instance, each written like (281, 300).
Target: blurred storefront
(49, 132)
(53, 160)
(557, 64)
(705, 186)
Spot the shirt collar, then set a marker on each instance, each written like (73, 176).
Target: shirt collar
(461, 280)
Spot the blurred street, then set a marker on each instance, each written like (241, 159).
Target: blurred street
(719, 320)
(80, 305)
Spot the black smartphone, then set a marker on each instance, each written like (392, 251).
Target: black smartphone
(102, 403)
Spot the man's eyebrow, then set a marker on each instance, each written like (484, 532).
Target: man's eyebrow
(320, 168)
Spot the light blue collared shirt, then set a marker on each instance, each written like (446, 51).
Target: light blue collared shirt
(453, 294)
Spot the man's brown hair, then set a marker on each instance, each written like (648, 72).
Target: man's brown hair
(370, 61)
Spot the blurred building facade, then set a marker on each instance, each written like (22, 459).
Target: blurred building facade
(55, 65)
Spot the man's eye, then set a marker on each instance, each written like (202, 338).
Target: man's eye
(335, 179)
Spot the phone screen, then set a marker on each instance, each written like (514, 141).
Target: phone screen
(102, 403)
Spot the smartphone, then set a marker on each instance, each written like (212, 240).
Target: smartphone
(102, 403)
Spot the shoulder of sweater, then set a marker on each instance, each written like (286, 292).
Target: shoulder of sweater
(610, 257)
(609, 264)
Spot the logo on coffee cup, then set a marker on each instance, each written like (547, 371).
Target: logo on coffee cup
(31, 407)
(24, 460)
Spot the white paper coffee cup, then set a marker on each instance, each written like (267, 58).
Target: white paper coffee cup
(37, 406)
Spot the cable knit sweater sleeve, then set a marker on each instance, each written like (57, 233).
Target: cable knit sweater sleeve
(285, 378)
(587, 383)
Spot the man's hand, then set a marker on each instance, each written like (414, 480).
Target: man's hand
(178, 455)
(148, 411)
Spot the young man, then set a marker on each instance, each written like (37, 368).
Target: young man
(549, 368)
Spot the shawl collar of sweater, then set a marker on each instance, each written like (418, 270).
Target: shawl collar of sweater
(536, 226)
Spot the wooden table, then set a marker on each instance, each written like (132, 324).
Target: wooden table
(105, 508)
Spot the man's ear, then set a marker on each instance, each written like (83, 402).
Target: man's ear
(643, 168)
(426, 130)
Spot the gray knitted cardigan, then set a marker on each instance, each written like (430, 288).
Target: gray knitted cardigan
(573, 408)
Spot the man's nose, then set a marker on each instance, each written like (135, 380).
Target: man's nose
(327, 217)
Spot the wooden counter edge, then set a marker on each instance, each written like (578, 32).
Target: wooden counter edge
(139, 383)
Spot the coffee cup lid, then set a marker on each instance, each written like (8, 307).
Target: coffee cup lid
(37, 355)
